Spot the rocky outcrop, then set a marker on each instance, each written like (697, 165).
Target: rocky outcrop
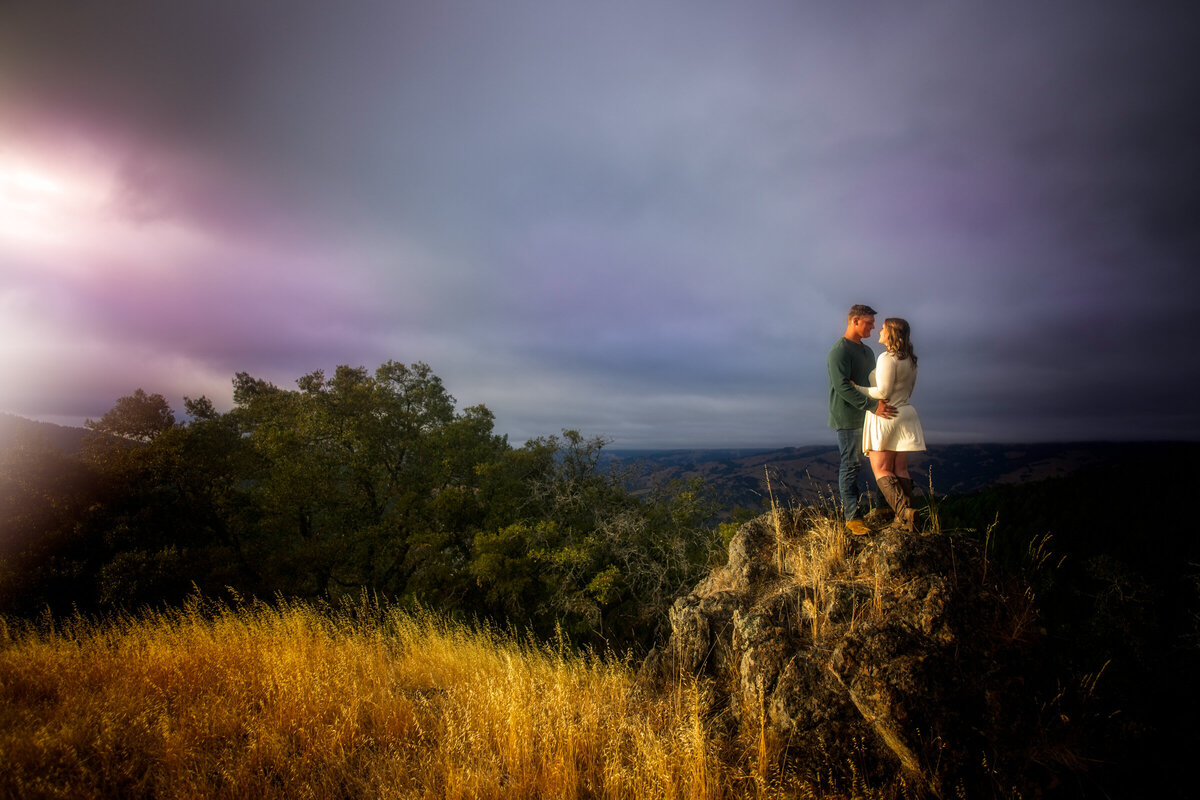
(897, 651)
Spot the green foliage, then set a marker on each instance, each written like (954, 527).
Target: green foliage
(585, 556)
(353, 481)
(139, 417)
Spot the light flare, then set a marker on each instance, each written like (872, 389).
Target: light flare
(41, 205)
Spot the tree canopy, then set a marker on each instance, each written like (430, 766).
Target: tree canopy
(139, 417)
(358, 481)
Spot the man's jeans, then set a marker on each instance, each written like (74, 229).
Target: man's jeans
(850, 450)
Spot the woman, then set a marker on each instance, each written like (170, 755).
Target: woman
(887, 442)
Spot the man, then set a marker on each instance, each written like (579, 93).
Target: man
(851, 360)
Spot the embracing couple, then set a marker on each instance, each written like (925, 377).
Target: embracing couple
(869, 408)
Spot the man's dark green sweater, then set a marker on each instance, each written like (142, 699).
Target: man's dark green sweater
(849, 361)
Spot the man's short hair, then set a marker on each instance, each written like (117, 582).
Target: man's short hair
(860, 311)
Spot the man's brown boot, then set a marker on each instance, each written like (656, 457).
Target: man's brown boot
(857, 527)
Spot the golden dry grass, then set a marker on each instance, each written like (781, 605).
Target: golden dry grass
(297, 701)
(811, 551)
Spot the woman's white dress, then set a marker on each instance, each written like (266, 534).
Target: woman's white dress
(893, 381)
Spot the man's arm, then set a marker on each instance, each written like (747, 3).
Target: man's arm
(881, 409)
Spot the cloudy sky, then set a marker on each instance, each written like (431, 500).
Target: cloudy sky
(644, 220)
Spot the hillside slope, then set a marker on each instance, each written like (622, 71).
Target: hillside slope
(14, 429)
(738, 478)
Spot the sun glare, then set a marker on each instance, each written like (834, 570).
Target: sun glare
(48, 210)
(41, 204)
(18, 181)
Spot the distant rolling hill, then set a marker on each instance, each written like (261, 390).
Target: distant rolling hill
(739, 477)
(14, 429)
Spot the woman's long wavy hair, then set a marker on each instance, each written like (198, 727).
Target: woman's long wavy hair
(899, 339)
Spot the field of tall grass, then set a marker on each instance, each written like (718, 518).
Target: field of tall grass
(306, 701)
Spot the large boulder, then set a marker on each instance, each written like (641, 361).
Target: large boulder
(896, 651)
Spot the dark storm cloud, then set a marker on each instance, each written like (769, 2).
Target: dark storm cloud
(645, 220)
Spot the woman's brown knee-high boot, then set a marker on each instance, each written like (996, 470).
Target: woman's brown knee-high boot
(906, 486)
(893, 492)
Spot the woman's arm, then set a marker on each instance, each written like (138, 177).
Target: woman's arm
(885, 378)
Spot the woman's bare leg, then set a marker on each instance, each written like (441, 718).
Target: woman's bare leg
(883, 463)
